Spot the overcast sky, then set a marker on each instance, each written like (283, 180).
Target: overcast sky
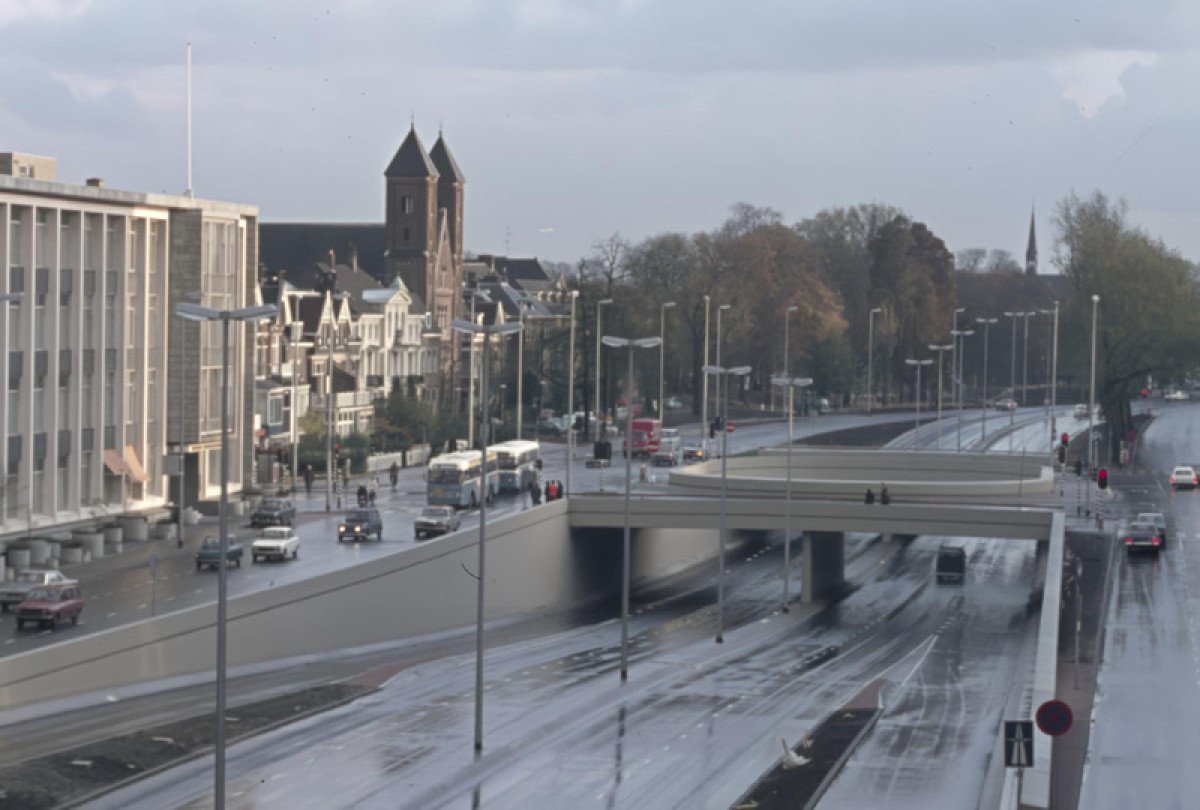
(575, 119)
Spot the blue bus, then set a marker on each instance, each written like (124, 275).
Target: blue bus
(519, 464)
(456, 479)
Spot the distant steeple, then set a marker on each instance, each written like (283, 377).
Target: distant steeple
(411, 159)
(1031, 251)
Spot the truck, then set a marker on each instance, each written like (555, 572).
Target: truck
(646, 433)
(669, 448)
(951, 564)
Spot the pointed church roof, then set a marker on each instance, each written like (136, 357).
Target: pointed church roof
(444, 161)
(411, 160)
(1031, 251)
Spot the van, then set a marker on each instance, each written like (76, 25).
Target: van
(1081, 411)
(951, 564)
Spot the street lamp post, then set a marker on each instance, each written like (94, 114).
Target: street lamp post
(871, 352)
(195, 312)
(520, 366)
(1012, 374)
(960, 337)
(603, 302)
(723, 375)
(955, 355)
(1025, 361)
(1053, 374)
(941, 350)
(704, 388)
(662, 346)
(1092, 390)
(570, 394)
(487, 331)
(787, 366)
(191, 296)
(918, 364)
(629, 344)
(330, 422)
(476, 294)
(987, 324)
(790, 384)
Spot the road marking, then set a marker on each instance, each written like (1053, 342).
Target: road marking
(11, 641)
(142, 606)
(109, 616)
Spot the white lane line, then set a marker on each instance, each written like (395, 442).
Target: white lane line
(109, 616)
(142, 606)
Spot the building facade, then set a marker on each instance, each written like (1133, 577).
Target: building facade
(93, 358)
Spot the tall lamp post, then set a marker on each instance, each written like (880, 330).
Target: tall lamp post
(790, 384)
(570, 394)
(960, 337)
(1053, 373)
(191, 296)
(195, 312)
(487, 332)
(1012, 374)
(723, 375)
(1092, 389)
(704, 388)
(629, 344)
(987, 324)
(662, 346)
(297, 327)
(330, 422)
(603, 302)
(871, 352)
(521, 306)
(476, 294)
(918, 364)
(787, 366)
(1025, 361)
(941, 351)
(954, 357)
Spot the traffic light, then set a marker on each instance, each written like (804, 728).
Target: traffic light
(1102, 478)
(1145, 393)
(1065, 440)
(1079, 467)
(1062, 455)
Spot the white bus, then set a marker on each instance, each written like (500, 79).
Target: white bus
(455, 479)
(519, 464)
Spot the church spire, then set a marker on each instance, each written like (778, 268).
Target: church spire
(1031, 250)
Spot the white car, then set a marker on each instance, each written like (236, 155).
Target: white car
(14, 592)
(277, 542)
(1176, 396)
(1182, 477)
(1081, 411)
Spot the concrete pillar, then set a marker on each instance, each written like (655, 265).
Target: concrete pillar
(823, 565)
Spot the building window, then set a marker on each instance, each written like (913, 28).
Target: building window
(406, 234)
(406, 204)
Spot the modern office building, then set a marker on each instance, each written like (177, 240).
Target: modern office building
(92, 355)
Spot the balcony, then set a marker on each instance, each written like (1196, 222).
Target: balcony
(348, 400)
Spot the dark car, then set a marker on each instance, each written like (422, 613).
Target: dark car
(273, 512)
(951, 565)
(49, 605)
(209, 553)
(1142, 537)
(361, 524)
(436, 520)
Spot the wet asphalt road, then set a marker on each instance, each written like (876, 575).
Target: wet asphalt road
(1145, 735)
(696, 723)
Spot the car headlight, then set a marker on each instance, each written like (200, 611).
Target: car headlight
(341, 529)
(358, 528)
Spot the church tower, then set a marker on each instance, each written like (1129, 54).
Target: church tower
(411, 215)
(450, 195)
(1031, 250)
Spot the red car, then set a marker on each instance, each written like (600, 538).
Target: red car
(49, 605)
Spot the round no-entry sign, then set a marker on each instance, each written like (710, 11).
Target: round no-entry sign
(1054, 718)
(652, 446)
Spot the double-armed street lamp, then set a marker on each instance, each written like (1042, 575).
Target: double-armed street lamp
(956, 354)
(941, 350)
(1025, 362)
(1052, 363)
(987, 324)
(603, 302)
(1012, 374)
(629, 344)
(871, 352)
(787, 366)
(790, 384)
(960, 338)
(487, 331)
(918, 363)
(195, 312)
(475, 294)
(662, 359)
(1092, 390)
(522, 305)
(723, 375)
(571, 394)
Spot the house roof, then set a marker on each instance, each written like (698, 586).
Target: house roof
(444, 162)
(411, 159)
(287, 247)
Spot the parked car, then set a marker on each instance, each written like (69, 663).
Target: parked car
(50, 604)
(15, 592)
(1008, 405)
(1184, 477)
(436, 520)
(1142, 537)
(273, 512)
(278, 542)
(693, 453)
(361, 524)
(1176, 396)
(1156, 518)
(209, 553)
